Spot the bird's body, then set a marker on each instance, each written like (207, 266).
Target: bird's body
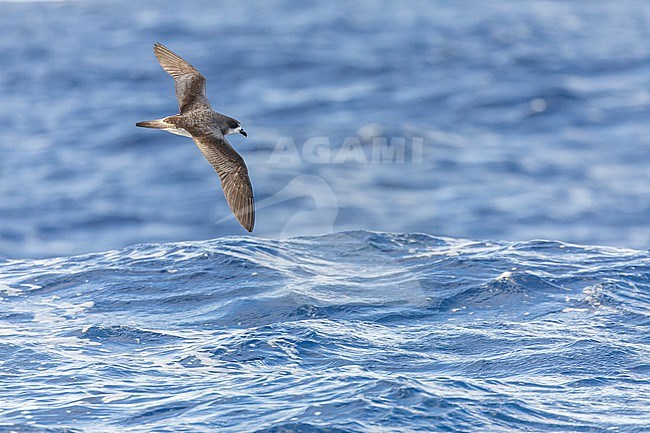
(208, 129)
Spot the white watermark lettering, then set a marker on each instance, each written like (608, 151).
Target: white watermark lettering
(285, 151)
(321, 150)
(383, 152)
(316, 150)
(350, 151)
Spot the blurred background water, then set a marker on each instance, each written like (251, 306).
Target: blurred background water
(520, 121)
(534, 117)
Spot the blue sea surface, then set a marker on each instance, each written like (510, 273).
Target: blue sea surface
(348, 332)
(453, 218)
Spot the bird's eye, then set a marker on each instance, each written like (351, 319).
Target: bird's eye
(234, 126)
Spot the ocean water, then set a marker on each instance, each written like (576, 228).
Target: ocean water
(348, 332)
(452, 229)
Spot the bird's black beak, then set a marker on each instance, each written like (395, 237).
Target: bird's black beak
(242, 132)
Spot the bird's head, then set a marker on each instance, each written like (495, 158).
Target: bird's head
(234, 127)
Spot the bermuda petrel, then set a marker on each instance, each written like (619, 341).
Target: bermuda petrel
(208, 129)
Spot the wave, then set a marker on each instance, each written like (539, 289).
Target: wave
(339, 332)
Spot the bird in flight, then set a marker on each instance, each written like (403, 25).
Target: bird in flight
(196, 119)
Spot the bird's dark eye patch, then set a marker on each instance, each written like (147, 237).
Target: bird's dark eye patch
(234, 126)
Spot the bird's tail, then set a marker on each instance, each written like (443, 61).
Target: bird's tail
(155, 124)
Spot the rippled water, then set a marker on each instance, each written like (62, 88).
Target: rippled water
(520, 120)
(534, 117)
(349, 332)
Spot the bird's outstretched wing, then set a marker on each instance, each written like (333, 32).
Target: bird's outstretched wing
(189, 83)
(233, 173)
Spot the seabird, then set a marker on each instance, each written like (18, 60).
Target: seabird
(208, 129)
